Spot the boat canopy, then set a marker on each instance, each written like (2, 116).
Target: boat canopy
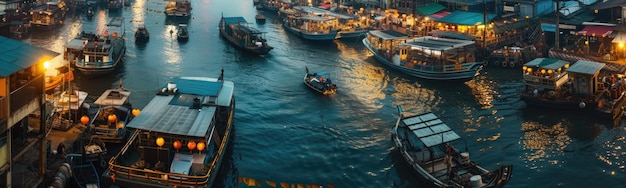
(430, 129)
(234, 20)
(586, 67)
(436, 44)
(161, 116)
(388, 34)
(546, 63)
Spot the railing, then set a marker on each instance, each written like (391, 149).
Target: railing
(25, 94)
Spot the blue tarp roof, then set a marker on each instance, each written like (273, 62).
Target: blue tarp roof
(465, 18)
(197, 87)
(16, 56)
(429, 9)
(234, 20)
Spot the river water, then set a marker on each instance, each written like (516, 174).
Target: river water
(287, 133)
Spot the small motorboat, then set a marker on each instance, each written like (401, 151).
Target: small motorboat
(320, 82)
(183, 33)
(142, 34)
(90, 13)
(260, 19)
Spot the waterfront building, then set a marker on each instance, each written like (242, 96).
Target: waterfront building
(21, 94)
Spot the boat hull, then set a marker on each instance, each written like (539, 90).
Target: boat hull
(351, 35)
(103, 68)
(312, 36)
(468, 73)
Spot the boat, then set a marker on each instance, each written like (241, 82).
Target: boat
(84, 173)
(260, 19)
(312, 27)
(68, 107)
(424, 57)
(320, 82)
(142, 34)
(427, 144)
(347, 26)
(553, 83)
(114, 114)
(255, 2)
(183, 33)
(270, 5)
(178, 8)
(19, 28)
(180, 138)
(48, 16)
(95, 151)
(114, 5)
(65, 75)
(90, 13)
(103, 53)
(512, 57)
(238, 33)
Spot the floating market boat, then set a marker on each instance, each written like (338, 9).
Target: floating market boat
(238, 33)
(427, 144)
(48, 16)
(260, 19)
(19, 28)
(553, 83)
(114, 114)
(347, 26)
(103, 53)
(424, 57)
(312, 27)
(180, 138)
(178, 8)
(84, 173)
(142, 34)
(320, 82)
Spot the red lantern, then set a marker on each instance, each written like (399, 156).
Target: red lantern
(201, 146)
(112, 118)
(136, 112)
(177, 144)
(191, 145)
(84, 120)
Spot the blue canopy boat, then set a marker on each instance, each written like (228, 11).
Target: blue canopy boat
(238, 33)
(320, 82)
(312, 27)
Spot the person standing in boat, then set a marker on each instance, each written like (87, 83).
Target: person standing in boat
(448, 158)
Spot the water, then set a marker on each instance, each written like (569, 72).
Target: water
(287, 133)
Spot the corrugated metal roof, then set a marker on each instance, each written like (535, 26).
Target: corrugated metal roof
(586, 67)
(546, 63)
(388, 34)
(234, 20)
(16, 56)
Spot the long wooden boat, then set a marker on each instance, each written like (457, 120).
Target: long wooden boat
(424, 57)
(320, 82)
(114, 114)
(311, 27)
(427, 144)
(242, 36)
(103, 54)
(48, 16)
(180, 138)
(178, 8)
(84, 173)
(553, 83)
(348, 26)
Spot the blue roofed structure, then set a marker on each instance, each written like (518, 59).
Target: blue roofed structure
(16, 56)
(234, 20)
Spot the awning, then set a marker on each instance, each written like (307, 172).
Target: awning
(324, 6)
(597, 30)
(16, 55)
(452, 34)
(620, 38)
(429, 9)
(548, 27)
(465, 18)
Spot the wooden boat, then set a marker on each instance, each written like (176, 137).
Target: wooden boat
(67, 109)
(178, 8)
(142, 34)
(183, 33)
(260, 19)
(348, 26)
(90, 13)
(65, 75)
(320, 82)
(95, 151)
(427, 144)
(84, 173)
(238, 33)
(114, 5)
(270, 5)
(114, 114)
(103, 53)
(553, 83)
(312, 27)
(424, 57)
(48, 16)
(19, 28)
(196, 112)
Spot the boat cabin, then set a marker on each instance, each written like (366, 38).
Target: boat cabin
(546, 76)
(386, 42)
(313, 24)
(49, 14)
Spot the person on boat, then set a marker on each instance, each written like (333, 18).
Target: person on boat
(321, 79)
(448, 158)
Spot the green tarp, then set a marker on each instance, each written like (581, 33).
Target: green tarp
(465, 18)
(16, 56)
(429, 9)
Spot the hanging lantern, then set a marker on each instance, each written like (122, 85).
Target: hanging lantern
(178, 144)
(201, 146)
(567, 65)
(543, 71)
(191, 145)
(530, 70)
(550, 71)
(160, 141)
(524, 68)
(112, 118)
(136, 112)
(84, 120)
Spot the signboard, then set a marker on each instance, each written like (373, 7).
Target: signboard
(509, 8)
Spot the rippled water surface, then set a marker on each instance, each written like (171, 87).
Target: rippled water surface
(287, 133)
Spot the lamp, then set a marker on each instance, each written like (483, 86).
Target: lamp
(136, 112)
(201, 146)
(84, 120)
(177, 145)
(159, 142)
